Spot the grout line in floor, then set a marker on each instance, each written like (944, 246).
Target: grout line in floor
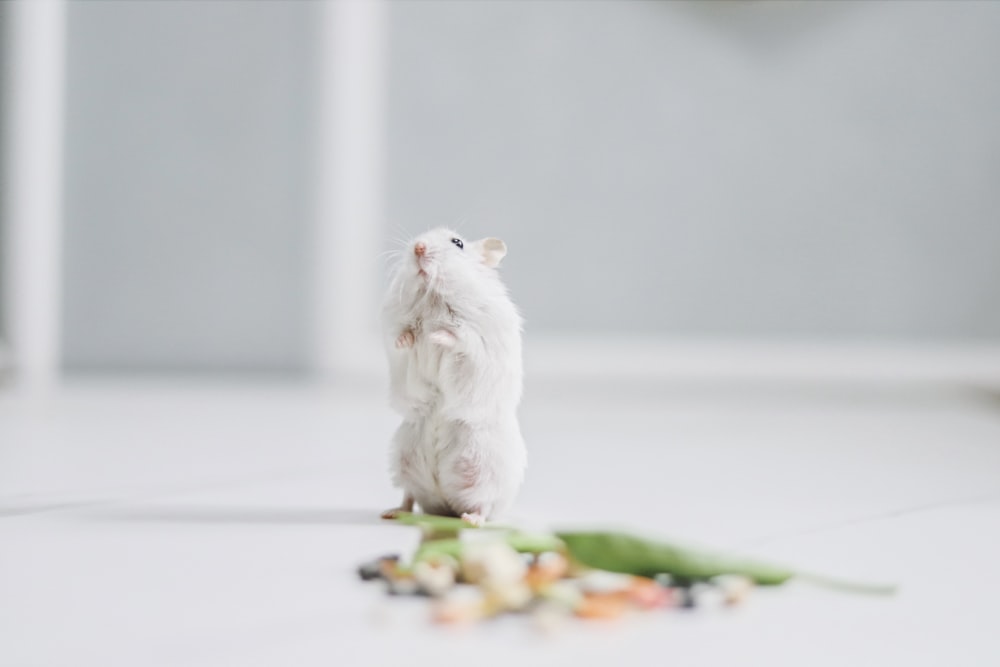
(860, 520)
(45, 504)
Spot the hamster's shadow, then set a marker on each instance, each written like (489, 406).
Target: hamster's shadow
(236, 515)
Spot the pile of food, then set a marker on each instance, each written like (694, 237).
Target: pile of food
(473, 574)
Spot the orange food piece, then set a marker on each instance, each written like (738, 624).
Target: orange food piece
(457, 611)
(602, 606)
(648, 594)
(538, 578)
(544, 572)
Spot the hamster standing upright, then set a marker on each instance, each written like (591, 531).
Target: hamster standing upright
(453, 337)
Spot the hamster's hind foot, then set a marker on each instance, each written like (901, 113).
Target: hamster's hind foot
(405, 506)
(474, 518)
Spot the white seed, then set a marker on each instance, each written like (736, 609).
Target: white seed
(451, 610)
(508, 595)
(599, 581)
(566, 594)
(434, 579)
(735, 587)
(493, 562)
(402, 586)
(707, 595)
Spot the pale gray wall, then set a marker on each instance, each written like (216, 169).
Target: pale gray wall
(4, 82)
(746, 169)
(189, 149)
(743, 169)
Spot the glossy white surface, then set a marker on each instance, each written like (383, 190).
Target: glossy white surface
(166, 523)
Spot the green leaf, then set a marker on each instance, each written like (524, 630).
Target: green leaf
(619, 552)
(534, 543)
(433, 522)
(447, 547)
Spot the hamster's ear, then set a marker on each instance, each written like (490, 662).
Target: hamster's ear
(493, 250)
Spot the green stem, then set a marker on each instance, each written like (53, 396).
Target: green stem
(845, 585)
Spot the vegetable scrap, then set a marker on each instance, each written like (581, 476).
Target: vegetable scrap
(476, 573)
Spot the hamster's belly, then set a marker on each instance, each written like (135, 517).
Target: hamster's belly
(459, 386)
(451, 468)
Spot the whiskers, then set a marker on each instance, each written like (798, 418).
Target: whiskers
(390, 256)
(399, 244)
(404, 283)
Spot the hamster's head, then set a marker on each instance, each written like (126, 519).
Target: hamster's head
(443, 261)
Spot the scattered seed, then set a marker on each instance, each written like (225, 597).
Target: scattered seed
(508, 596)
(602, 606)
(648, 594)
(599, 581)
(493, 562)
(685, 597)
(402, 586)
(552, 586)
(377, 569)
(370, 570)
(434, 579)
(735, 588)
(457, 611)
(565, 593)
(707, 595)
(390, 569)
(546, 571)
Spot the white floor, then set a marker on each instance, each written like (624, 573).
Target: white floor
(174, 523)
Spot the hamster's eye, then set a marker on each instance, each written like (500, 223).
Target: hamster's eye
(459, 243)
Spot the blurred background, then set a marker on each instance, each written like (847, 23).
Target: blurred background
(756, 244)
(227, 173)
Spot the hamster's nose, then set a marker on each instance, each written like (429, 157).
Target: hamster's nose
(420, 249)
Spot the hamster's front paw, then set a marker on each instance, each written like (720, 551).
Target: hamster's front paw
(444, 338)
(393, 513)
(405, 340)
(474, 518)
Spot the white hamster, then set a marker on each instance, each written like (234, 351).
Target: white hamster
(453, 337)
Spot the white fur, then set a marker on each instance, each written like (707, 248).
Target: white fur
(453, 338)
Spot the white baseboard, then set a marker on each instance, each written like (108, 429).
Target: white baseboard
(807, 361)
(658, 359)
(593, 357)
